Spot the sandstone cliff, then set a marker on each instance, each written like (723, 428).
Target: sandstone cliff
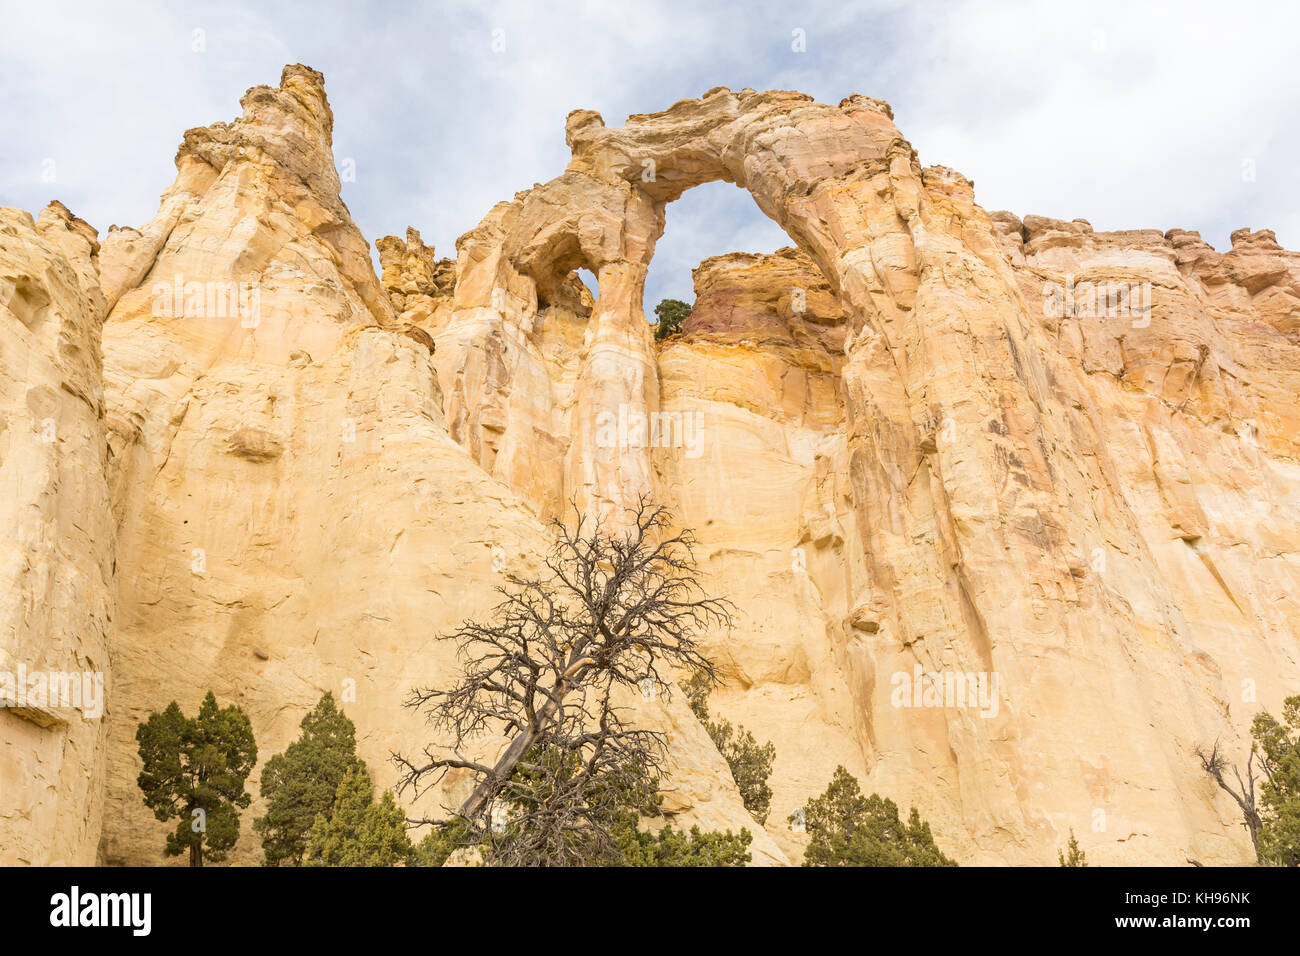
(293, 516)
(926, 442)
(56, 549)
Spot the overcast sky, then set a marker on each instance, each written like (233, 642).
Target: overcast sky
(1127, 114)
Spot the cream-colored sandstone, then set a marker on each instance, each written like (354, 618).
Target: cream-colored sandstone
(293, 516)
(56, 548)
(1063, 504)
(898, 449)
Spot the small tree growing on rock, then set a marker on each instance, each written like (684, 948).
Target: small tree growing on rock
(671, 313)
(849, 829)
(750, 763)
(1072, 855)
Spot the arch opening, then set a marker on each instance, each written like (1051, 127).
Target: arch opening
(712, 219)
(712, 226)
(588, 278)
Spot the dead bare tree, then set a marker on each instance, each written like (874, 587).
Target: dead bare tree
(614, 610)
(1215, 763)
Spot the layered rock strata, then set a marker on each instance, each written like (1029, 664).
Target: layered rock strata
(1007, 507)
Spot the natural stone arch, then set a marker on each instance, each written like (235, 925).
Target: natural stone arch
(978, 451)
(606, 212)
(938, 334)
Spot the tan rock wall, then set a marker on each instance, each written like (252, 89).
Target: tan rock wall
(914, 447)
(293, 514)
(56, 549)
(1004, 493)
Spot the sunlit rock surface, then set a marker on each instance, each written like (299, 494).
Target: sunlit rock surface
(56, 542)
(1007, 507)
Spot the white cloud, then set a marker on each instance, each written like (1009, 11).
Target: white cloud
(1129, 115)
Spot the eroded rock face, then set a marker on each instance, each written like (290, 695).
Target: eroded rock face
(772, 300)
(416, 281)
(293, 514)
(56, 550)
(1053, 506)
(1007, 507)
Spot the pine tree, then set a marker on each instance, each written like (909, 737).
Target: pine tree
(750, 763)
(849, 829)
(1072, 856)
(194, 772)
(1278, 745)
(359, 831)
(301, 784)
(670, 314)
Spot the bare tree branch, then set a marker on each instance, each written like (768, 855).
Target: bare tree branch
(1215, 763)
(614, 610)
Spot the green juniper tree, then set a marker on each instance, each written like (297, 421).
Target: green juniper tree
(849, 829)
(553, 813)
(359, 831)
(751, 764)
(194, 772)
(617, 802)
(1072, 856)
(669, 847)
(1278, 745)
(302, 783)
(671, 313)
